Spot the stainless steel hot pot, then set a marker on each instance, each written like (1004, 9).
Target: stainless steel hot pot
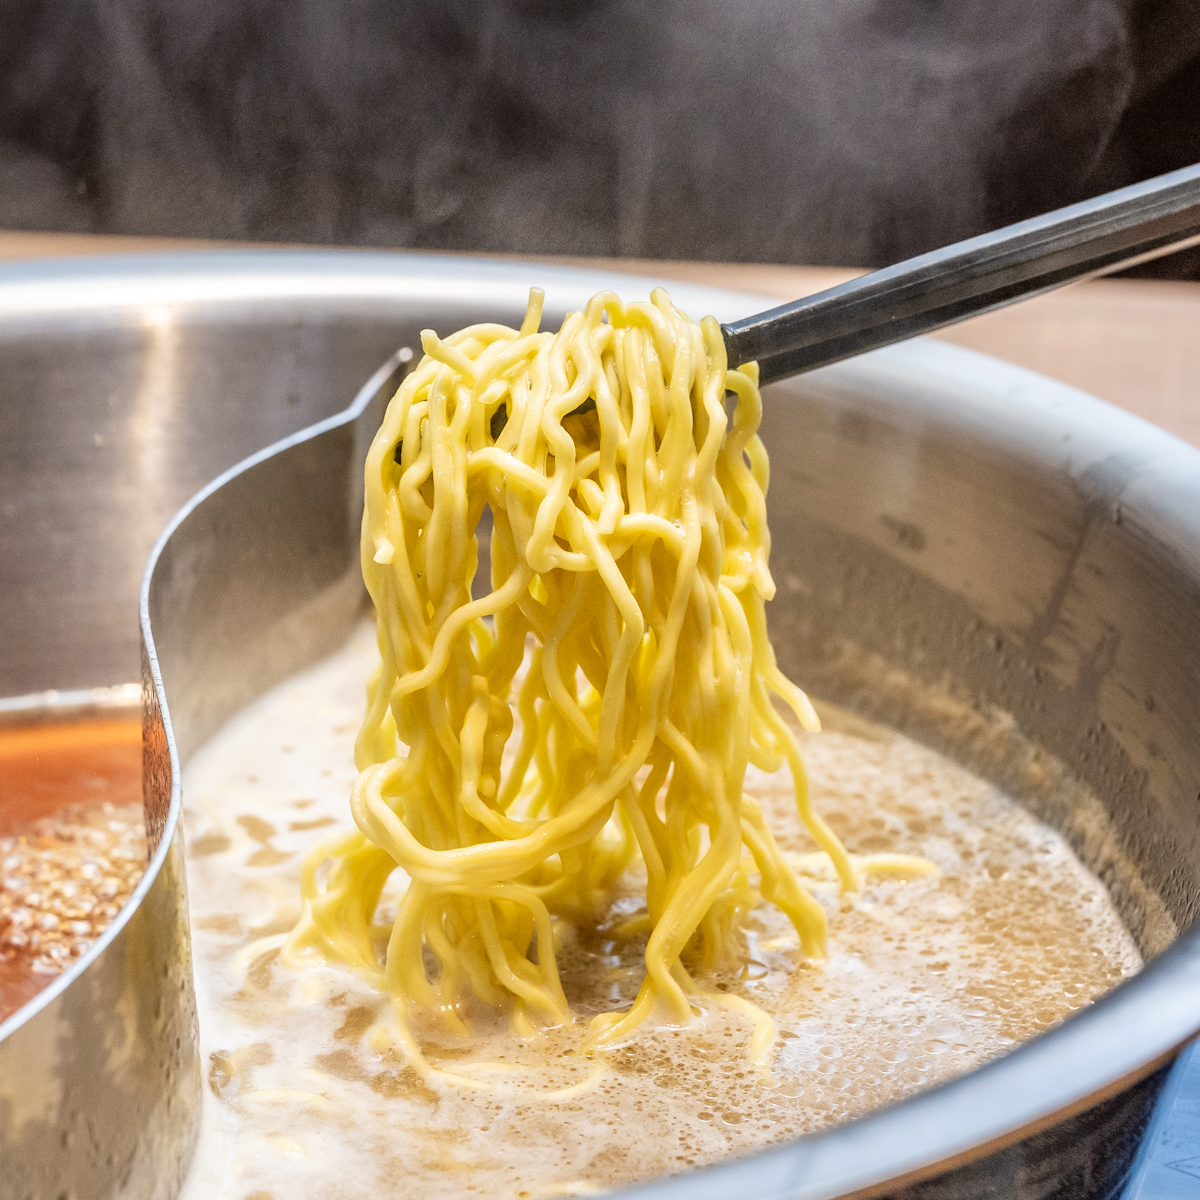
(993, 561)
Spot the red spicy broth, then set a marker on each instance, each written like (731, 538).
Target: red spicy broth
(72, 844)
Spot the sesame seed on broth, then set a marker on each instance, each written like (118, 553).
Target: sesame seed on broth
(925, 979)
(72, 844)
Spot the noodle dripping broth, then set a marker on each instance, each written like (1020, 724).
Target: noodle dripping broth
(629, 561)
(605, 904)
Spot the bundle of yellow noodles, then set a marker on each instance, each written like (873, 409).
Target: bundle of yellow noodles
(596, 710)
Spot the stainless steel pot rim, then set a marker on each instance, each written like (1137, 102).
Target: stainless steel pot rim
(1088, 1057)
(152, 283)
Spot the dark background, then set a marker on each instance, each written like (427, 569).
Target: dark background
(848, 132)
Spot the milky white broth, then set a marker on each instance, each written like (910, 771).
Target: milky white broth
(925, 979)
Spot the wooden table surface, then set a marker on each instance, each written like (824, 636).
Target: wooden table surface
(1135, 343)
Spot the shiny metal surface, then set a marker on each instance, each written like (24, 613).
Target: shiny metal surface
(950, 535)
(1107, 233)
(128, 383)
(99, 1075)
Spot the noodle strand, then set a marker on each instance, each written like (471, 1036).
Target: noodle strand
(628, 573)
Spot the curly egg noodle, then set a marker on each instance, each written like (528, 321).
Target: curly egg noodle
(629, 573)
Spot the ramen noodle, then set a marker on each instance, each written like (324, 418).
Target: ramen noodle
(628, 576)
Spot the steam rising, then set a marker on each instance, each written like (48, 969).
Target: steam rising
(855, 132)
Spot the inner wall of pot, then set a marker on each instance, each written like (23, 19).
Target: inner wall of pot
(1067, 693)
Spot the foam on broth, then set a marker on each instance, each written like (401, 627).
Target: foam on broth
(925, 979)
